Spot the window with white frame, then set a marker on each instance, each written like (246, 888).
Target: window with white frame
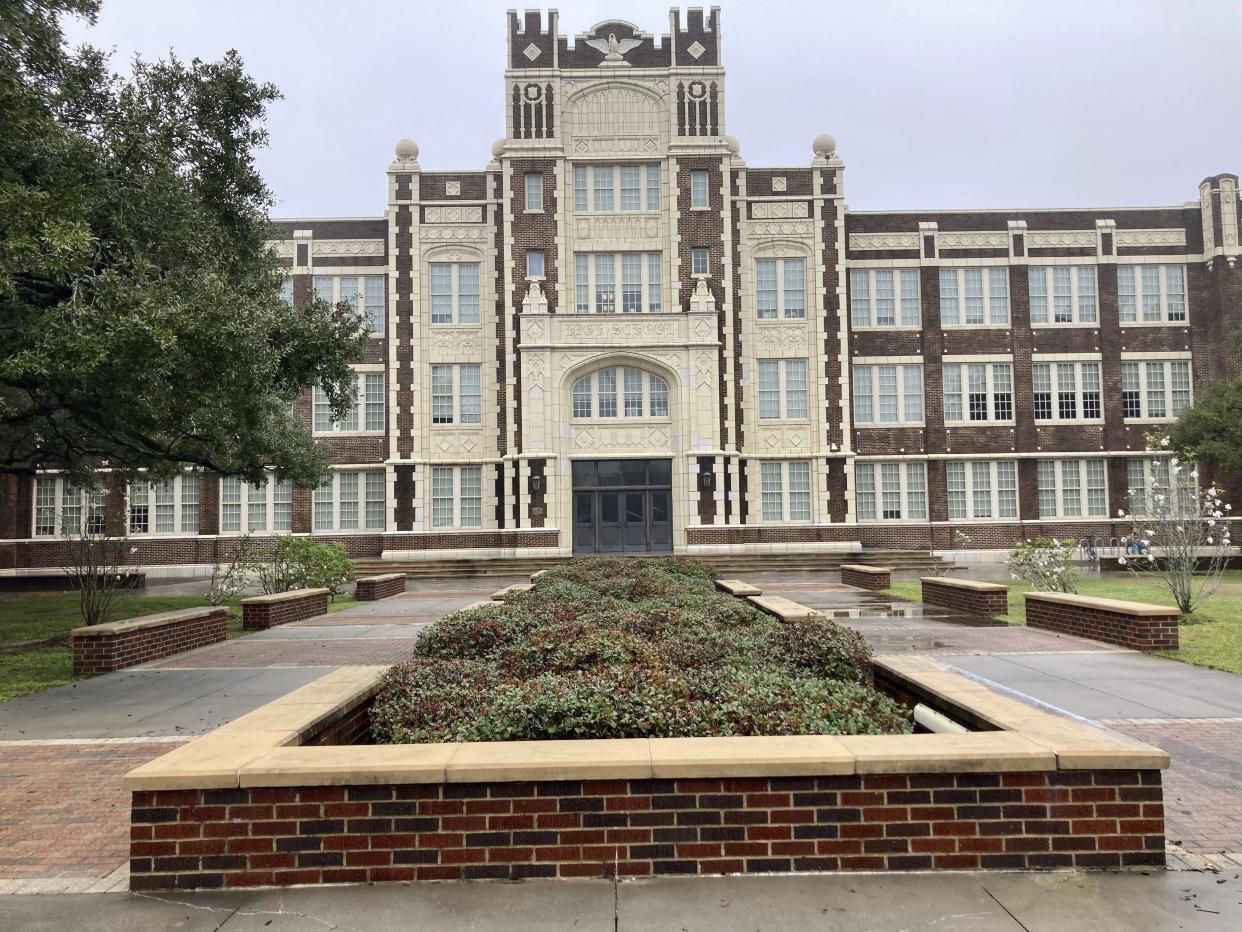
(610, 188)
(780, 288)
(699, 260)
(884, 298)
(600, 278)
(1147, 476)
(698, 190)
(1063, 294)
(890, 491)
(454, 292)
(365, 415)
(255, 509)
(61, 507)
(165, 506)
(978, 392)
(1072, 488)
(973, 297)
(456, 496)
(534, 191)
(286, 290)
(782, 388)
(456, 394)
(1156, 390)
(1066, 391)
(364, 293)
(1151, 293)
(888, 394)
(982, 489)
(785, 487)
(620, 392)
(350, 500)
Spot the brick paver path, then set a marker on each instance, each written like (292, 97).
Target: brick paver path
(291, 652)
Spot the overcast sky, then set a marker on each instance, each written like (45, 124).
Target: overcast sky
(934, 103)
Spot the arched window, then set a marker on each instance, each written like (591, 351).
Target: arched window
(642, 394)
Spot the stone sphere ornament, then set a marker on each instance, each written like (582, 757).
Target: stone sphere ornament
(407, 149)
(824, 146)
(498, 148)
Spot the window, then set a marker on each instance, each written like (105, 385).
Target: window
(534, 191)
(878, 295)
(698, 260)
(974, 297)
(456, 394)
(773, 373)
(364, 293)
(1072, 292)
(888, 394)
(262, 508)
(454, 292)
(596, 185)
(786, 490)
(982, 489)
(366, 414)
(890, 491)
(1151, 293)
(1150, 475)
(1072, 489)
(460, 508)
(350, 501)
(643, 394)
(698, 190)
(167, 506)
(286, 290)
(596, 275)
(1066, 391)
(64, 508)
(1153, 391)
(534, 263)
(780, 288)
(978, 392)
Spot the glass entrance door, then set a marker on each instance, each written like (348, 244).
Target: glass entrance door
(622, 506)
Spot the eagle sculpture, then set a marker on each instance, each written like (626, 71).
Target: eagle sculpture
(613, 49)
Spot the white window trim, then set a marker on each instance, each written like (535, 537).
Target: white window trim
(785, 492)
(990, 391)
(618, 282)
(178, 503)
(1164, 295)
(360, 304)
(1059, 486)
(456, 423)
(1187, 480)
(596, 417)
(708, 254)
(269, 498)
(99, 506)
(781, 312)
(898, 294)
(333, 484)
(455, 292)
(900, 364)
(1077, 362)
(455, 470)
(1048, 273)
(985, 270)
(707, 189)
(360, 407)
(904, 490)
(994, 469)
(782, 380)
(543, 259)
(526, 192)
(644, 188)
(1166, 364)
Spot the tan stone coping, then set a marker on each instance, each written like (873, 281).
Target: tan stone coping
(864, 568)
(146, 621)
(383, 577)
(262, 748)
(1144, 609)
(283, 596)
(738, 588)
(535, 575)
(974, 584)
(783, 608)
(482, 603)
(499, 595)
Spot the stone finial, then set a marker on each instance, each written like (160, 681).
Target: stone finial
(498, 148)
(824, 146)
(702, 299)
(535, 302)
(735, 147)
(407, 149)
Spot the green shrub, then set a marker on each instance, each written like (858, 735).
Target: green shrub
(305, 563)
(607, 647)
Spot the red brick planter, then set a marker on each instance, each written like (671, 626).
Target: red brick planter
(268, 611)
(966, 595)
(1136, 625)
(866, 577)
(371, 588)
(101, 648)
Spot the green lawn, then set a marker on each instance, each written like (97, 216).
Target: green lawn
(35, 626)
(1211, 637)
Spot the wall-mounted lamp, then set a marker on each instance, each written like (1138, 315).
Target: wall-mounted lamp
(536, 483)
(707, 479)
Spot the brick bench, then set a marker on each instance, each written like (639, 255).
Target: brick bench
(866, 577)
(280, 608)
(782, 608)
(371, 588)
(120, 644)
(966, 595)
(736, 587)
(1136, 625)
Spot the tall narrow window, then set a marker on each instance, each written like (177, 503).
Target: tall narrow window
(534, 191)
(698, 190)
(698, 260)
(601, 175)
(534, 263)
(631, 187)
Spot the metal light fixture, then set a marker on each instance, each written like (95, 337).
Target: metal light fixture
(536, 483)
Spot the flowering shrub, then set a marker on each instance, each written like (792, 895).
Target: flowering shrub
(1045, 564)
(614, 648)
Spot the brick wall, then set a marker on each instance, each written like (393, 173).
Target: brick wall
(1146, 633)
(269, 611)
(864, 579)
(114, 650)
(991, 601)
(638, 828)
(371, 588)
